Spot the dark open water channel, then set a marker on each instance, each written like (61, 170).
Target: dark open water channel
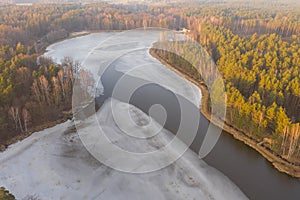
(253, 174)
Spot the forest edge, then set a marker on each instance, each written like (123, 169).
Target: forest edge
(279, 163)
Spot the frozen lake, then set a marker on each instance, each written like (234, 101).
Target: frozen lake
(245, 167)
(54, 164)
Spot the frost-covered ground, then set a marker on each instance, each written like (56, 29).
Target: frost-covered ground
(54, 164)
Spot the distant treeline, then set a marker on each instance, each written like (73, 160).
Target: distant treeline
(29, 24)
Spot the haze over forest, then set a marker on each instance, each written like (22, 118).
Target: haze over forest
(148, 1)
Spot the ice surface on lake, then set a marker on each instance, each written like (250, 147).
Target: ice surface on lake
(97, 51)
(54, 164)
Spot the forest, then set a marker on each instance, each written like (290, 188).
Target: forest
(258, 56)
(255, 48)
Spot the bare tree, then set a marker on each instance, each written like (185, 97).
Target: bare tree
(56, 90)
(68, 62)
(45, 88)
(26, 118)
(86, 81)
(14, 113)
(294, 137)
(36, 91)
(60, 76)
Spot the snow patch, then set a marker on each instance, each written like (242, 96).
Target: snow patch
(57, 166)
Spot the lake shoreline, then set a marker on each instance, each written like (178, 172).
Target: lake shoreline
(22, 136)
(279, 163)
(48, 124)
(67, 115)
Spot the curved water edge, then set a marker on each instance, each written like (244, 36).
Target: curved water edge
(56, 163)
(241, 164)
(278, 162)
